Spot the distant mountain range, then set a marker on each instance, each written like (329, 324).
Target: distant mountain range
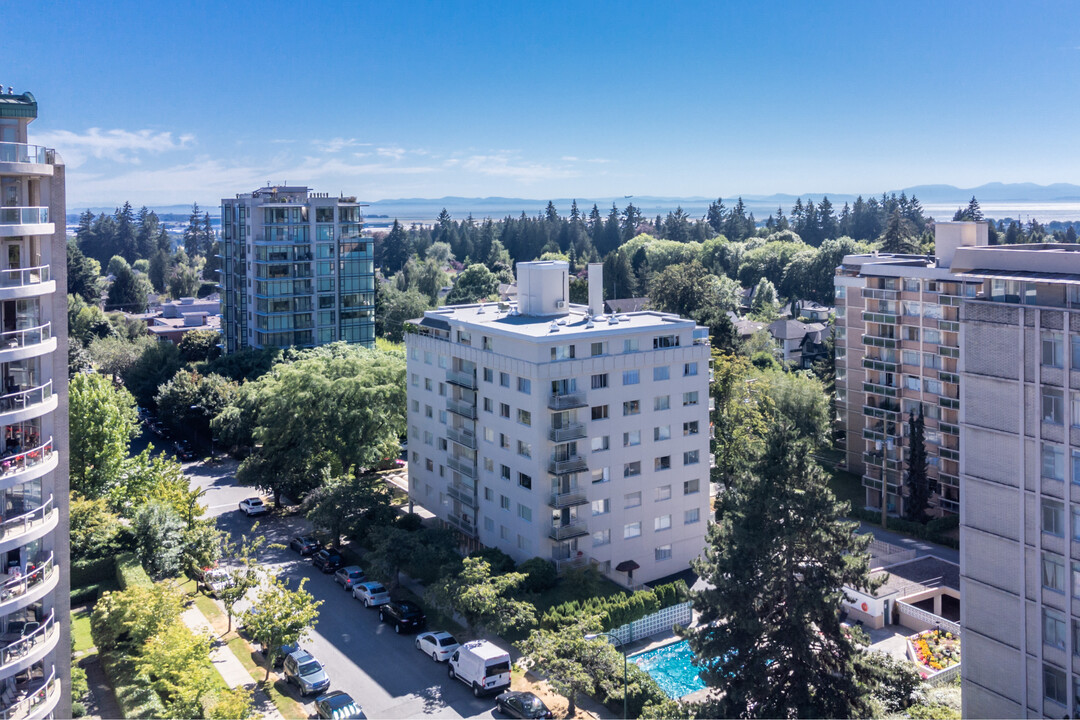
(1010, 200)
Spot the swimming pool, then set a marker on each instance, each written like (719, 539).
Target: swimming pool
(672, 667)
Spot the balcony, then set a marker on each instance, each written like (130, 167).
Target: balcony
(570, 530)
(22, 153)
(463, 524)
(572, 464)
(15, 464)
(878, 341)
(566, 401)
(20, 405)
(462, 408)
(948, 325)
(23, 277)
(880, 365)
(885, 410)
(570, 563)
(879, 459)
(461, 378)
(463, 466)
(879, 294)
(24, 215)
(573, 431)
(33, 642)
(886, 390)
(570, 498)
(34, 702)
(30, 338)
(462, 437)
(39, 518)
(883, 318)
(463, 493)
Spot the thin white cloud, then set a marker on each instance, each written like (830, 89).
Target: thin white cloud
(337, 144)
(122, 146)
(503, 165)
(598, 160)
(391, 152)
(569, 158)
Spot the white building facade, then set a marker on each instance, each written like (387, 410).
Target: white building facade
(548, 430)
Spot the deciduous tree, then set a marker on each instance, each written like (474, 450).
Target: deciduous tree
(103, 423)
(280, 616)
(482, 599)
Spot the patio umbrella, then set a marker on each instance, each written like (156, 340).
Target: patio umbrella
(628, 567)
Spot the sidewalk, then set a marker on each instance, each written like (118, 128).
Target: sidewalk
(226, 662)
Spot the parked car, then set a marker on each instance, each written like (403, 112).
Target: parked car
(328, 560)
(482, 665)
(304, 671)
(253, 506)
(215, 580)
(349, 576)
(440, 645)
(183, 450)
(305, 545)
(522, 705)
(403, 614)
(284, 651)
(338, 705)
(158, 428)
(371, 593)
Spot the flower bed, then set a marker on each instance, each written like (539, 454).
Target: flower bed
(935, 650)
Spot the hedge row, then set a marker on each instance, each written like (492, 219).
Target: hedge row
(934, 531)
(135, 697)
(129, 572)
(90, 572)
(617, 610)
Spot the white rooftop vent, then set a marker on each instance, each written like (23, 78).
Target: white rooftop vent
(480, 310)
(613, 320)
(562, 321)
(624, 318)
(554, 327)
(589, 325)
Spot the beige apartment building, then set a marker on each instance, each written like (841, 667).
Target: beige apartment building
(897, 349)
(552, 430)
(1020, 474)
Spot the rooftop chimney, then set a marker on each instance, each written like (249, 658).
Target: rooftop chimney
(596, 289)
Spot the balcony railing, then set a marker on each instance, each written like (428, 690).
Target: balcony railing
(26, 398)
(461, 437)
(21, 277)
(20, 584)
(462, 408)
(22, 524)
(23, 153)
(879, 294)
(24, 215)
(25, 338)
(463, 466)
(569, 530)
(567, 499)
(27, 459)
(462, 524)
(570, 563)
(463, 493)
(569, 465)
(25, 707)
(566, 401)
(28, 639)
(461, 378)
(573, 431)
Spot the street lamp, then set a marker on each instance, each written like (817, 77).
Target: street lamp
(615, 641)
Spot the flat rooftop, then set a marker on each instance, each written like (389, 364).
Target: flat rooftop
(914, 576)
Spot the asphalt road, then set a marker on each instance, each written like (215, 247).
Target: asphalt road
(383, 671)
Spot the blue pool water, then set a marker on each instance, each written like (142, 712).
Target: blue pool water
(672, 667)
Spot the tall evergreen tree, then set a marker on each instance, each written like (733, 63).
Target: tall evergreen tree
(768, 640)
(898, 236)
(971, 213)
(396, 249)
(919, 486)
(716, 215)
(631, 219)
(193, 232)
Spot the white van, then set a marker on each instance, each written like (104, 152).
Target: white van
(482, 665)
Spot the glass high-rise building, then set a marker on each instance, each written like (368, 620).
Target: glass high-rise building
(295, 270)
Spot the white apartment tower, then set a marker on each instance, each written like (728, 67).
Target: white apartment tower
(548, 429)
(295, 270)
(35, 646)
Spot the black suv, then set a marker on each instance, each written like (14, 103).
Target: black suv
(405, 615)
(305, 544)
(328, 560)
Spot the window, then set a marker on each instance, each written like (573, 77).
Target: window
(504, 472)
(524, 449)
(427, 384)
(601, 475)
(662, 372)
(504, 441)
(504, 502)
(662, 463)
(661, 523)
(690, 398)
(633, 500)
(1076, 580)
(489, 524)
(663, 493)
(523, 543)
(689, 369)
(631, 438)
(601, 507)
(911, 333)
(1053, 406)
(597, 348)
(489, 375)
(631, 530)
(429, 465)
(524, 481)
(910, 357)
(504, 410)
(932, 311)
(934, 387)
(489, 435)
(504, 379)
(912, 382)
(442, 389)
(1076, 523)
(690, 428)
(416, 406)
(504, 532)
(631, 469)
(630, 345)
(690, 487)
(562, 352)
(488, 404)
(524, 417)
(1053, 517)
(442, 362)
(429, 439)
(1053, 462)
(600, 444)
(601, 537)
(661, 433)
(485, 342)
(840, 292)
(428, 412)
(932, 336)
(662, 402)
(932, 361)
(1076, 466)
(525, 512)
(912, 308)
(663, 553)
(1053, 349)
(911, 285)
(692, 516)
(489, 464)
(631, 407)
(1075, 359)
(665, 341)
(631, 377)
(599, 382)
(524, 385)
(1054, 685)
(1075, 419)
(691, 457)
(1053, 573)
(599, 412)
(489, 494)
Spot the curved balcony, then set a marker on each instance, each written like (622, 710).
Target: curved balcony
(27, 343)
(15, 221)
(35, 702)
(28, 646)
(28, 526)
(27, 465)
(18, 283)
(26, 404)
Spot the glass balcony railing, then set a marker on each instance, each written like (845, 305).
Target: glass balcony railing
(566, 531)
(32, 634)
(19, 277)
(26, 522)
(24, 215)
(23, 153)
(19, 585)
(25, 398)
(25, 338)
(29, 700)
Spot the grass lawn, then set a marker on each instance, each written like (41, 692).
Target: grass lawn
(80, 629)
(285, 704)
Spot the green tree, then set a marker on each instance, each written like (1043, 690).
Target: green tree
(159, 539)
(394, 548)
(158, 273)
(972, 213)
(398, 307)
(83, 274)
(95, 530)
(200, 346)
(484, 600)
(156, 364)
(103, 423)
(919, 486)
(568, 661)
(114, 355)
(234, 704)
(193, 232)
(474, 283)
(339, 502)
(800, 399)
(243, 574)
(763, 306)
(127, 292)
(183, 281)
(176, 661)
(769, 638)
(189, 401)
(899, 236)
(280, 616)
(125, 619)
(738, 422)
(396, 250)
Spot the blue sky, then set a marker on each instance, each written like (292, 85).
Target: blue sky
(172, 102)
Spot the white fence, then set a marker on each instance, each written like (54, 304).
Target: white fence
(883, 554)
(934, 621)
(660, 621)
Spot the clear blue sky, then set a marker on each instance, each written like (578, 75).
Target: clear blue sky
(172, 102)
